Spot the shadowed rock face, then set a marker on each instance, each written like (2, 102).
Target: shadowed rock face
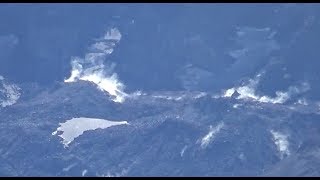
(235, 94)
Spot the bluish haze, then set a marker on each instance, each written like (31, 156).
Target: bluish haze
(159, 89)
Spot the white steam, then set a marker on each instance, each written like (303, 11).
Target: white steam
(92, 68)
(249, 92)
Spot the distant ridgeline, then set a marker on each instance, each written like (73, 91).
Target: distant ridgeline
(166, 47)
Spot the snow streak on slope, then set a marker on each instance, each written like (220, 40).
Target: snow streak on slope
(205, 141)
(249, 92)
(92, 67)
(9, 93)
(183, 150)
(84, 172)
(75, 127)
(281, 142)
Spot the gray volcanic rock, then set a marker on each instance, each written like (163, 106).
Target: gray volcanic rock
(193, 137)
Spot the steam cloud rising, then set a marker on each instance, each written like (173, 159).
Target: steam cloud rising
(92, 68)
(249, 92)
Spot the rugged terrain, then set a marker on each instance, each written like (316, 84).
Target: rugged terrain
(194, 90)
(198, 135)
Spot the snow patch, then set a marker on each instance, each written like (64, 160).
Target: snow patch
(208, 138)
(75, 127)
(92, 68)
(281, 142)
